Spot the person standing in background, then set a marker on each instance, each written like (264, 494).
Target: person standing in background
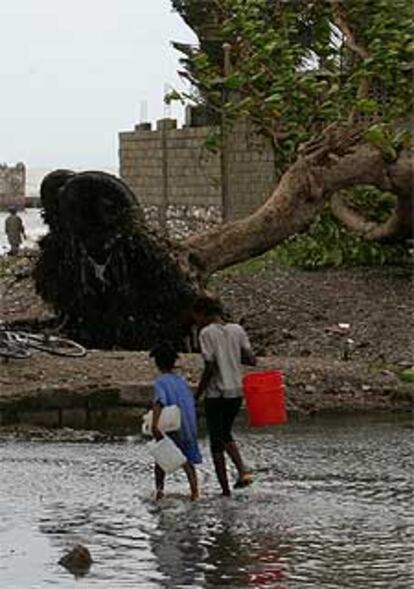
(14, 230)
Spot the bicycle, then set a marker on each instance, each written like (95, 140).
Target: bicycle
(21, 344)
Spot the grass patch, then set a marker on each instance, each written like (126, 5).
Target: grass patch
(407, 375)
(6, 265)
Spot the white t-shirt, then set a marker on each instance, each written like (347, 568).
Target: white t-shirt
(223, 344)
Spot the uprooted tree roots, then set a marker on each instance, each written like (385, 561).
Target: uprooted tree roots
(113, 282)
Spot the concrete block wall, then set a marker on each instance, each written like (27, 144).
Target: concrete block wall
(251, 170)
(141, 167)
(193, 173)
(12, 185)
(174, 174)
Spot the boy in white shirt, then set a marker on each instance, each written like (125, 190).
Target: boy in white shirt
(224, 347)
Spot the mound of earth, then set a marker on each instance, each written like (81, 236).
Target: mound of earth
(19, 301)
(359, 314)
(353, 314)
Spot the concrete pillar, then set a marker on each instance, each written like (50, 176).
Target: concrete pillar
(143, 127)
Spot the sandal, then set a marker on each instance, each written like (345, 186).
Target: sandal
(244, 481)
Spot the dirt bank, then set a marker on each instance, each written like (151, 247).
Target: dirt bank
(341, 337)
(359, 314)
(298, 313)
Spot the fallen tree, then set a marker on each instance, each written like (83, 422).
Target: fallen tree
(114, 282)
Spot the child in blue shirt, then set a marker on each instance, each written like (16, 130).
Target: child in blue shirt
(172, 389)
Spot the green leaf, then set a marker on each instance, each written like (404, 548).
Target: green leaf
(367, 105)
(234, 81)
(276, 97)
(172, 96)
(402, 139)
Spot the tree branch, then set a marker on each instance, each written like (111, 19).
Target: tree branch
(339, 162)
(341, 21)
(398, 226)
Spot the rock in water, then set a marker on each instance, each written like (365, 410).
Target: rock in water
(77, 561)
(110, 278)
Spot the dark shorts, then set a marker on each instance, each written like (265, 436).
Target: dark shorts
(220, 415)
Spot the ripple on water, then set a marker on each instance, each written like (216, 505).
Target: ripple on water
(330, 508)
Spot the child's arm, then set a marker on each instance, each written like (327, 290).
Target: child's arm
(209, 368)
(208, 352)
(22, 229)
(248, 357)
(156, 412)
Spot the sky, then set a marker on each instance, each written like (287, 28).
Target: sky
(73, 73)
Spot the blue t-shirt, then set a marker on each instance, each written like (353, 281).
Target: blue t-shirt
(173, 389)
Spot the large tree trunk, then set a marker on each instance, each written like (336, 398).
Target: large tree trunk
(340, 160)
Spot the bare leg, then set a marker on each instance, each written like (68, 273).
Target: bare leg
(221, 472)
(191, 473)
(233, 451)
(245, 475)
(159, 482)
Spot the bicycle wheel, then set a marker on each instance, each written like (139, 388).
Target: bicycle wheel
(11, 351)
(52, 344)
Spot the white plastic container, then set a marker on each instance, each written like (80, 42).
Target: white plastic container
(169, 421)
(166, 454)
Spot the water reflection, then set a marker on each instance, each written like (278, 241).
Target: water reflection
(211, 545)
(331, 509)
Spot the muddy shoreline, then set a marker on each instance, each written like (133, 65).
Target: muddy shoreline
(341, 338)
(109, 391)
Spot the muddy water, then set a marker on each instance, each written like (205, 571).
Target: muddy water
(331, 508)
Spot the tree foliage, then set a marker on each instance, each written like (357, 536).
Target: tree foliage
(298, 66)
(328, 244)
(298, 69)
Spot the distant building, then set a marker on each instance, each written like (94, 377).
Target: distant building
(183, 185)
(12, 185)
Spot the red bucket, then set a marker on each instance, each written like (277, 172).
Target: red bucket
(265, 398)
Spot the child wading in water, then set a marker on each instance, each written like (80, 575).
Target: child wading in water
(172, 389)
(225, 347)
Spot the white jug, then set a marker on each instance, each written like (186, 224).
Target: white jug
(166, 454)
(169, 421)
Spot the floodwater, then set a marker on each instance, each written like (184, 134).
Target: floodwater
(34, 225)
(331, 509)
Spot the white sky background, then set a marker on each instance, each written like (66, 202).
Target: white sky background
(74, 73)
